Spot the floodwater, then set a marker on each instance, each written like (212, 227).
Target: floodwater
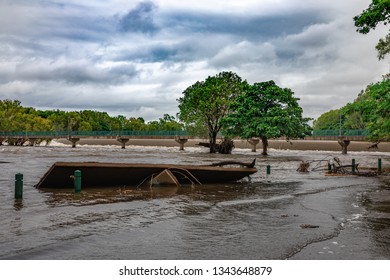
(260, 218)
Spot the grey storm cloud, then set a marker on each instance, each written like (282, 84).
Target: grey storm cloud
(136, 58)
(202, 35)
(76, 73)
(250, 27)
(140, 19)
(161, 52)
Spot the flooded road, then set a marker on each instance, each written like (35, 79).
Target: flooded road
(266, 217)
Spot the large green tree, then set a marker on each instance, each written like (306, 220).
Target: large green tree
(377, 12)
(266, 111)
(206, 103)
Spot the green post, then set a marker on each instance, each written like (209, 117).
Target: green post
(268, 169)
(379, 165)
(329, 167)
(77, 181)
(353, 165)
(18, 186)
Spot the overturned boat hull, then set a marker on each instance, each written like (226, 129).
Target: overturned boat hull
(97, 174)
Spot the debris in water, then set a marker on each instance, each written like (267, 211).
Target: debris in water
(303, 167)
(334, 167)
(308, 226)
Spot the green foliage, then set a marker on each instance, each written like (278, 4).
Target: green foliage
(135, 124)
(167, 122)
(328, 121)
(346, 118)
(266, 111)
(370, 110)
(206, 103)
(14, 117)
(377, 12)
(383, 47)
(197, 129)
(374, 106)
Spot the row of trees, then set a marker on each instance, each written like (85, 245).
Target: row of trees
(229, 105)
(15, 117)
(370, 110)
(223, 103)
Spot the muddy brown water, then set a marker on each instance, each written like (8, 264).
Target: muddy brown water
(256, 218)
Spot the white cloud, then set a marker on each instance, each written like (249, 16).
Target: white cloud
(245, 54)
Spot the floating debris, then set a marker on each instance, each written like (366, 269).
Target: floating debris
(303, 167)
(374, 146)
(226, 146)
(308, 226)
(334, 167)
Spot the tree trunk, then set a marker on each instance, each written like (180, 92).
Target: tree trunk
(213, 143)
(264, 140)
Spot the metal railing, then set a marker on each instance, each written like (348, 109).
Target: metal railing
(342, 132)
(111, 133)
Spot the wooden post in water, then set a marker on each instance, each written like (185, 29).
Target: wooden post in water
(379, 165)
(18, 186)
(353, 165)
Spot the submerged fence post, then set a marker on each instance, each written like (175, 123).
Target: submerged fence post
(268, 169)
(18, 186)
(77, 181)
(353, 165)
(379, 165)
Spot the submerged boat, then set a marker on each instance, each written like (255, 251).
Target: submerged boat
(97, 174)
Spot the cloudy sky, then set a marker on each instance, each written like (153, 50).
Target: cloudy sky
(135, 58)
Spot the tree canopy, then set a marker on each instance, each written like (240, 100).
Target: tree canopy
(328, 121)
(15, 117)
(204, 104)
(265, 110)
(377, 12)
(370, 110)
(373, 107)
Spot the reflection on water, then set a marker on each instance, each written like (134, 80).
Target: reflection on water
(257, 219)
(91, 196)
(18, 204)
(224, 194)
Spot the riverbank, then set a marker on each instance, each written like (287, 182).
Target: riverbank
(303, 145)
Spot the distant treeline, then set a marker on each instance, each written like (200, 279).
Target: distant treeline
(370, 110)
(14, 117)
